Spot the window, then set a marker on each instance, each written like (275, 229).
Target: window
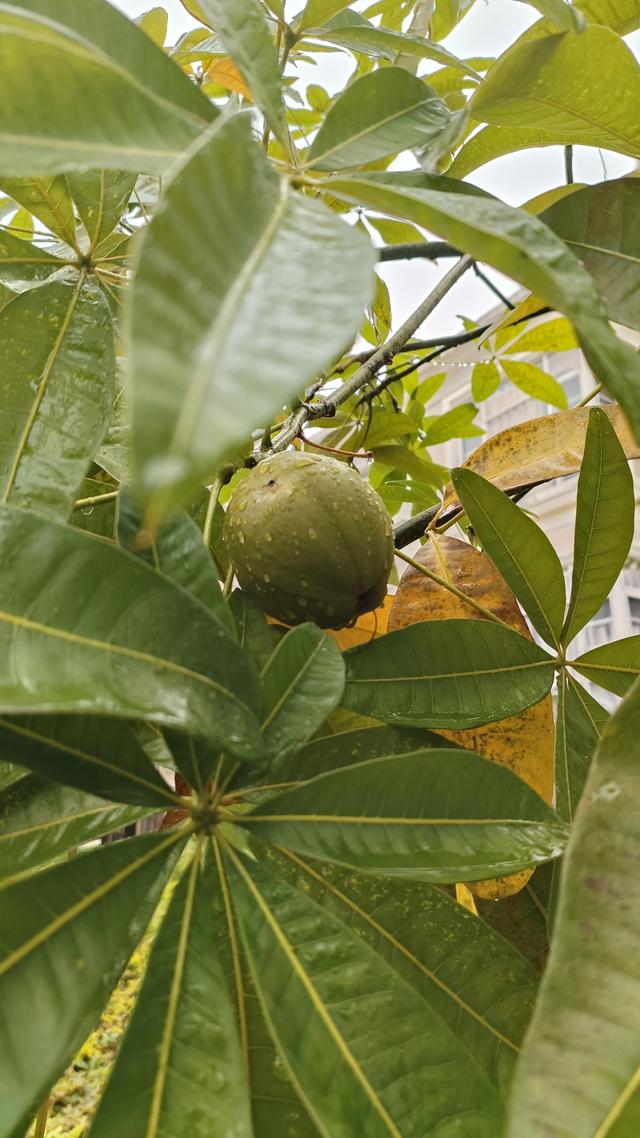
(598, 630)
(634, 613)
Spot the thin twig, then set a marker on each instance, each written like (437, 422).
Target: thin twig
(493, 288)
(418, 250)
(383, 355)
(214, 494)
(568, 164)
(96, 500)
(452, 589)
(41, 1120)
(591, 395)
(335, 450)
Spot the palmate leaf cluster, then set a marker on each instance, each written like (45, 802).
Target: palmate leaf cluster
(186, 259)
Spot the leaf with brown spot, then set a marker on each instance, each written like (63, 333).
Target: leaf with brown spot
(523, 743)
(540, 449)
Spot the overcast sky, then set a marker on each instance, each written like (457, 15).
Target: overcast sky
(488, 28)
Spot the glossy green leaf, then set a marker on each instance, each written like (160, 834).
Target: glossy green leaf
(485, 379)
(560, 84)
(40, 821)
(79, 921)
(492, 142)
(446, 673)
(519, 549)
(23, 264)
(535, 382)
(584, 1030)
(196, 388)
(400, 1067)
(601, 224)
(481, 987)
(119, 38)
(302, 683)
(521, 246)
(357, 746)
(47, 199)
(57, 374)
(135, 647)
(177, 550)
(276, 1106)
(439, 815)
(96, 755)
(9, 773)
(563, 15)
(101, 197)
(605, 514)
(180, 1064)
(580, 721)
(360, 35)
(254, 632)
(246, 37)
(45, 132)
(381, 114)
(613, 666)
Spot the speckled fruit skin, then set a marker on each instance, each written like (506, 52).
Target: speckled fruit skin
(309, 540)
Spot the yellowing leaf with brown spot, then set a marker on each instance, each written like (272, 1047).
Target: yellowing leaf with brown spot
(540, 449)
(225, 73)
(366, 628)
(523, 743)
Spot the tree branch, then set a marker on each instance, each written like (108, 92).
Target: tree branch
(377, 360)
(418, 250)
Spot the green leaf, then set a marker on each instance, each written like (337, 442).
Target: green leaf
(318, 12)
(600, 224)
(535, 382)
(23, 264)
(492, 142)
(604, 522)
(101, 197)
(47, 199)
(273, 1114)
(246, 37)
(454, 424)
(612, 666)
(349, 747)
(562, 14)
(521, 246)
(409, 461)
(549, 336)
(621, 15)
(381, 114)
(521, 919)
(79, 922)
(57, 374)
(439, 815)
(116, 36)
(254, 633)
(446, 673)
(446, 14)
(40, 821)
(255, 275)
(399, 1066)
(137, 647)
(584, 1029)
(579, 725)
(302, 682)
(560, 84)
(136, 129)
(485, 379)
(480, 986)
(519, 549)
(93, 754)
(177, 550)
(359, 35)
(180, 1063)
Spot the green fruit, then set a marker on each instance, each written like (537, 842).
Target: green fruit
(309, 540)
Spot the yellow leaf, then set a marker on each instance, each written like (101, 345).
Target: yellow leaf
(366, 627)
(225, 73)
(464, 897)
(155, 23)
(524, 743)
(540, 449)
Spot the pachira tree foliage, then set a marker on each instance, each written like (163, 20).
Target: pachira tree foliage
(366, 835)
